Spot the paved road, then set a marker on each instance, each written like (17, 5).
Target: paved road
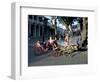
(78, 58)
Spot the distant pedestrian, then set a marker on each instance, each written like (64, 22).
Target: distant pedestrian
(79, 40)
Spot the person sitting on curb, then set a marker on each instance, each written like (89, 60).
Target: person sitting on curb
(38, 48)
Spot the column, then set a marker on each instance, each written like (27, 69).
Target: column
(29, 28)
(39, 30)
(34, 30)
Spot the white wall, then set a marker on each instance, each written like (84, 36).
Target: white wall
(5, 37)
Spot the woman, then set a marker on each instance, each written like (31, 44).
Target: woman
(38, 49)
(66, 39)
(79, 40)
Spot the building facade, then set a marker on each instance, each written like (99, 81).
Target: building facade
(38, 26)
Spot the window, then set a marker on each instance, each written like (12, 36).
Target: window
(30, 16)
(35, 17)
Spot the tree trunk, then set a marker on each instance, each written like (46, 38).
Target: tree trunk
(84, 31)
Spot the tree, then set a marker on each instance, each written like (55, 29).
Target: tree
(67, 21)
(54, 24)
(84, 32)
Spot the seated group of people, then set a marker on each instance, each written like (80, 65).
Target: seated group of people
(40, 48)
(51, 44)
